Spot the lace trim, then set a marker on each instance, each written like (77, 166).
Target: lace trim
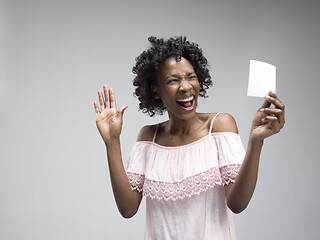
(229, 173)
(188, 187)
(136, 181)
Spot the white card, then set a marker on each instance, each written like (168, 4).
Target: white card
(262, 79)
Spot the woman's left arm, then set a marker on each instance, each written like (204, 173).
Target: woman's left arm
(267, 122)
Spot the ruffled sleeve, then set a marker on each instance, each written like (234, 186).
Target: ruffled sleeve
(230, 155)
(136, 166)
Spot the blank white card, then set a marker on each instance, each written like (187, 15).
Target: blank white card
(262, 79)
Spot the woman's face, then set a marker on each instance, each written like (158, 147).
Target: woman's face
(178, 87)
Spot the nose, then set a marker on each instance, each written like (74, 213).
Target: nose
(185, 85)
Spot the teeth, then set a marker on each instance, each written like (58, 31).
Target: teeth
(186, 99)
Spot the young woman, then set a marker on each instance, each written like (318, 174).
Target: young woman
(192, 168)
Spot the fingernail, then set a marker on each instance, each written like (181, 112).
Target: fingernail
(262, 109)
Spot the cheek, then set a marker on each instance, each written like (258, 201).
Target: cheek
(196, 86)
(169, 90)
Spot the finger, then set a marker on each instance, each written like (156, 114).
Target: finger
(269, 111)
(101, 101)
(96, 107)
(275, 112)
(273, 98)
(273, 94)
(106, 95)
(271, 118)
(274, 124)
(275, 101)
(112, 99)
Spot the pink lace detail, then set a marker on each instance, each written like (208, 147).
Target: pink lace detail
(136, 181)
(186, 188)
(229, 173)
(193, 185)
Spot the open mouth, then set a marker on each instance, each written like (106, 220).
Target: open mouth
(186, 103)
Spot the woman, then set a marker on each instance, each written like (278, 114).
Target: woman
(193, 168)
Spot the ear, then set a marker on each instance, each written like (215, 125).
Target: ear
(154, 91)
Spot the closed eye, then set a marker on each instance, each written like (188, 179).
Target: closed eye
(192, 77)
(174, 80)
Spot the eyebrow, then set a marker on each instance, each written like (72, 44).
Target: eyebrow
(177, 76)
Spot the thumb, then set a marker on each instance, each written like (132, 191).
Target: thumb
(121, 110)
(266, 104)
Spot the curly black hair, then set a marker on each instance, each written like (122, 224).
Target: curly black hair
(148, 63)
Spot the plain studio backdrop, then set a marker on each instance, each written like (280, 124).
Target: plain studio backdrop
(55, 55)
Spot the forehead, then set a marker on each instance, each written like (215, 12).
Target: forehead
(171, 66)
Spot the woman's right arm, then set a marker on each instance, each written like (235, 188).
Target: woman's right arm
(109, 122)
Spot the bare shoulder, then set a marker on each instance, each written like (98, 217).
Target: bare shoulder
(146, 133)
(224, 122)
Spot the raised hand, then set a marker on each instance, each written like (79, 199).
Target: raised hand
(108, 118)
(268, 121)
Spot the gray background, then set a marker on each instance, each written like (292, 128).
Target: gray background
(55, 55)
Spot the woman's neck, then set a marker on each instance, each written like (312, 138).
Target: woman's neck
(176, 126)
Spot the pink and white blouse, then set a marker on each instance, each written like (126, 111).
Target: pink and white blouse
(184, 186)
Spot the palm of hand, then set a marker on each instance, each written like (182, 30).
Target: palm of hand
(108, 118)
(108, 122)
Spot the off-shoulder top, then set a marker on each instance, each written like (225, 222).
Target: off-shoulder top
(183, 185)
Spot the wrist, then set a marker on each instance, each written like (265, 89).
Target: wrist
(256, 141)
(111, 142)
